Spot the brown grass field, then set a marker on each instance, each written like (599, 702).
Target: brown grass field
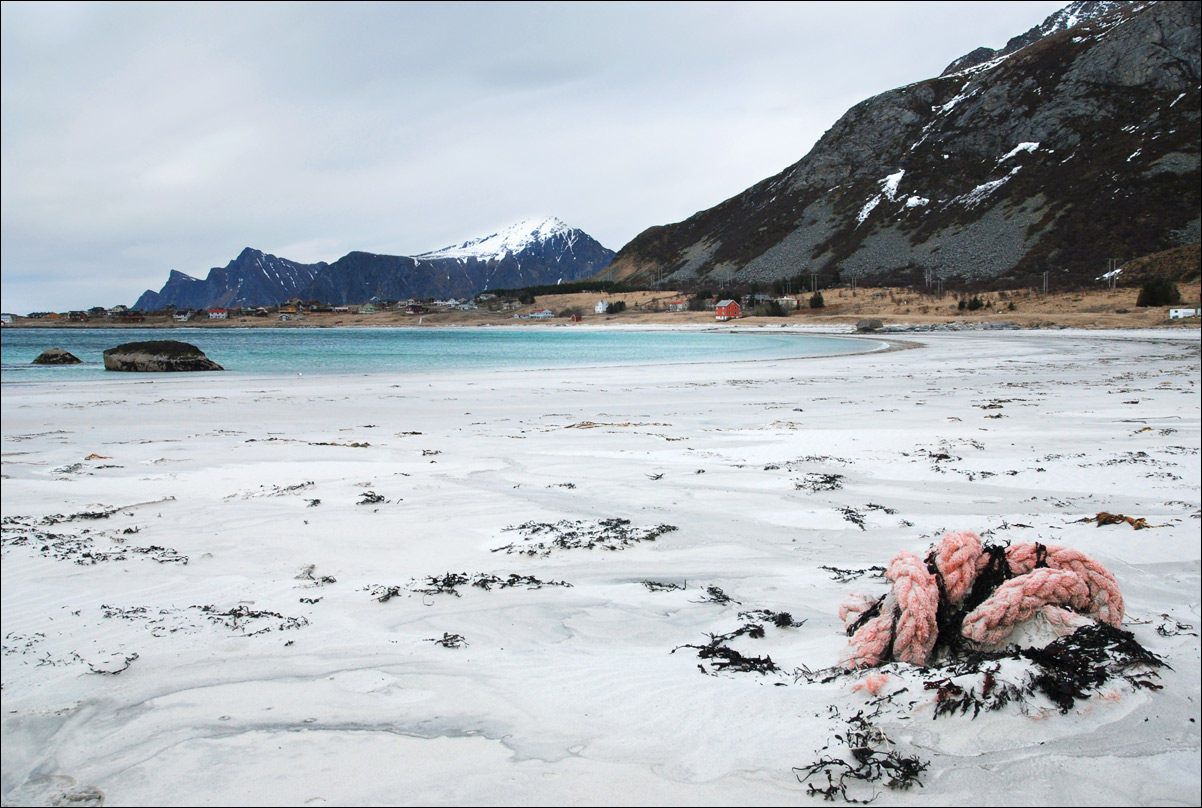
(1100, 308)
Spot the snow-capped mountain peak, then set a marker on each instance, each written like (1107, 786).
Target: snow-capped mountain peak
(512, 239)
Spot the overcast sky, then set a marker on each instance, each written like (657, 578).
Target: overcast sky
(147, 137)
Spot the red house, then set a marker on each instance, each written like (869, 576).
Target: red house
(728, 310)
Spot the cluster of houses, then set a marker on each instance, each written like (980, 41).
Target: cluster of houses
(119, 314)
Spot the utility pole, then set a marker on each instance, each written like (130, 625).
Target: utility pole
(1045, 283)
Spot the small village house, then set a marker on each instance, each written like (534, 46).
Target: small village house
(727, 310)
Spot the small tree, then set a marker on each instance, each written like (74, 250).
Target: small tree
(1161, 292)
(816, 301)
(770, 309)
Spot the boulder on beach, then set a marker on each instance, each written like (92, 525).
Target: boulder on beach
(869, 325)
(158, 356)
(57, 356)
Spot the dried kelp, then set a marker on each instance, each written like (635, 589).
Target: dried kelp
(819, 481)
(724, 658)
(870, 762)
(449, 583)
(448, 640)
(1070, 667)
(542, 538)
(714, 594)
(847, 575)
(1104, 518)
(664, 586)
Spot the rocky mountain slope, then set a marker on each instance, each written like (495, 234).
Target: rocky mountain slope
(533, 252)
(1076, 143)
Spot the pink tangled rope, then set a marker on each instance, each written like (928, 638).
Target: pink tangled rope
(966, 591)
(917, 596)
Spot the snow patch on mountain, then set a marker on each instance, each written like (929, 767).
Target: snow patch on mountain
(890, 183)
(1028, 146)
(977, 194)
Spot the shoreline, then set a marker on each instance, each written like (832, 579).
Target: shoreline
(691, 353)
(299, 503)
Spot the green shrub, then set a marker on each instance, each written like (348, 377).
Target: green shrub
(770, 309)
(1159, 293)
(816, 301)
(975, 303)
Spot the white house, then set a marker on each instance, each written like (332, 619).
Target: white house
(1179, 314)
(602, 307)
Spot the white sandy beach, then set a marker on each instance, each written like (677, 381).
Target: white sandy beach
(298, 685)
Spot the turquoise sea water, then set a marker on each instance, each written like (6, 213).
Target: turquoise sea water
(278, 351)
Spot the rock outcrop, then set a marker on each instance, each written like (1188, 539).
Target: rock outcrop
(158, 356)
(57, 356)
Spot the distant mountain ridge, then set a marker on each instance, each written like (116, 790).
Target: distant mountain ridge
(529, 253)
(1075, 143)
(253, 278)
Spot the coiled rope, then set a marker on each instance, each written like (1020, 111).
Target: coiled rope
(966, 592)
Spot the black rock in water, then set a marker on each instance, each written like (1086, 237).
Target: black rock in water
(157, 356)
(57, 356)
